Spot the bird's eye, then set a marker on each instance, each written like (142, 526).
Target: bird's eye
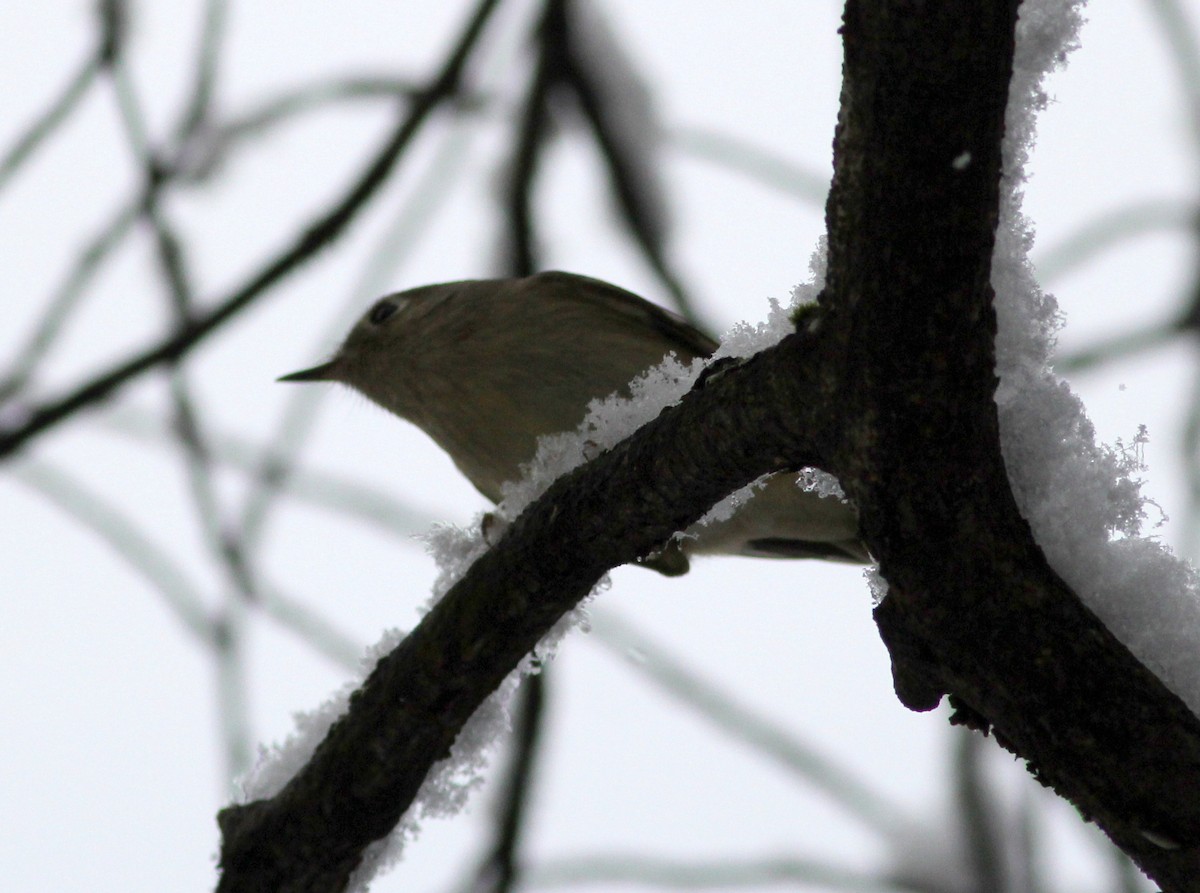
(382, 312)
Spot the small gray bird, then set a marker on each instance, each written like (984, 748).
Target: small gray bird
(486, 367)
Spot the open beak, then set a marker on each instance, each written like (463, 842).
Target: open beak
(324, 372)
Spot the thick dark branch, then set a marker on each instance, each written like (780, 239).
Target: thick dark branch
(616, 508)
(973, 610)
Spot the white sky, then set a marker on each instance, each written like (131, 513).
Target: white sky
(112, 762)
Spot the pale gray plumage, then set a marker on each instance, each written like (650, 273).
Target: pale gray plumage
(485, 367)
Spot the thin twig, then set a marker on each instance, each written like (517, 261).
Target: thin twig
(126, 539)
(502, 871)
(1117, 347)
(762, 165)
(233, 709)
(648, 871)
(1110, 229)
(63, 301)
(1190, 445)
(1027, 877)
(532, 133)
(322, 634)
(326, 229)
(1180, 38)
(740, 722)
(107, 51)
(42, 127)
(334, 492)
(307, 98)
(233, 712)
(627, 164)
(983, 835)
(199, 105)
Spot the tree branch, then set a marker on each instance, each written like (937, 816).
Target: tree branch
(889, 384)
(973, 609)
(616, 508)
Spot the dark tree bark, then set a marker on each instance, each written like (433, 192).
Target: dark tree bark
(889, 385)
(973, 610)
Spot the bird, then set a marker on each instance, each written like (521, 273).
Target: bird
(487, 366)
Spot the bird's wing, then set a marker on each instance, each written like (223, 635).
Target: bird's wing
(685, 339)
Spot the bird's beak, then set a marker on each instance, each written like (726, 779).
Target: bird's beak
(324, 372)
